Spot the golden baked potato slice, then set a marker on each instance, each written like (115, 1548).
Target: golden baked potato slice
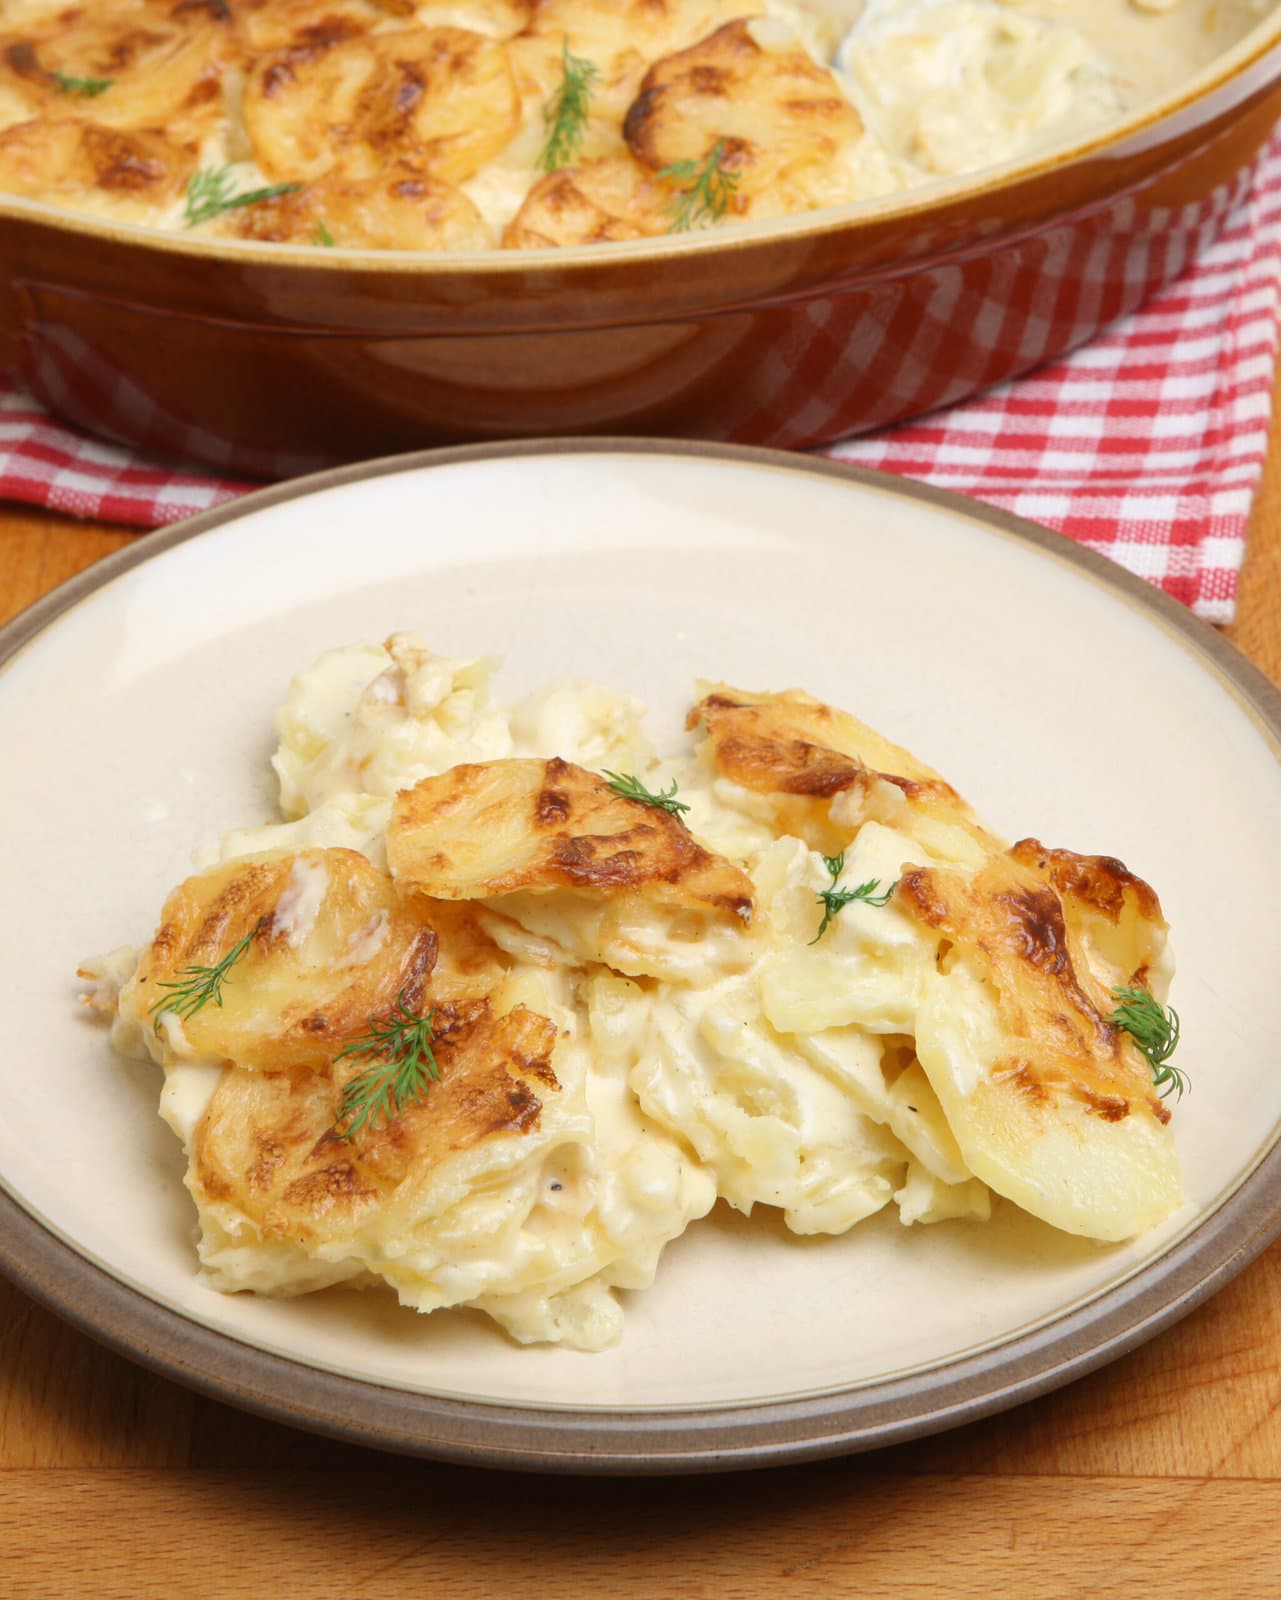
(398, 212)
(619, 38)
(269, 1141)
(324, 942)
(826, 773)
(75, 162)
(553, 847)
(779, 120)
(1117, 915)
(152, 64)
(592, 203)
(1050, 1105)
(438, 102)
(495, 827)
(149, 64)
(266, 25)
(453, 1200)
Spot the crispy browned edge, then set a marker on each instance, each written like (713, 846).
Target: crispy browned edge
(1241, 1223)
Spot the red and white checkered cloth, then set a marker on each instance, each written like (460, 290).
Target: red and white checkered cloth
(1146, 445)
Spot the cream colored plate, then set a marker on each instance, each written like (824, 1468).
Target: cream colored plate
(1062, 698)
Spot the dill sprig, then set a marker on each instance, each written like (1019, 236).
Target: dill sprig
(627, 786)
(705, 188)
(399, 1045)
(565, 114)
(323, 237)
(84, 88)
(834, 900)
(1155, 1030)
(210, 193)
(197, 986)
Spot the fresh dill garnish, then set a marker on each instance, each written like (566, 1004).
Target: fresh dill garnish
(197, 986)
(565, 114)
(85, 88)
(705, 188)
(399, 1046)
(1155, 1029)
(210, 193)
(627, 786)
(833, 899)
(322, 236)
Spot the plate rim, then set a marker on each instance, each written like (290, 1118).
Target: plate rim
(618, 1441)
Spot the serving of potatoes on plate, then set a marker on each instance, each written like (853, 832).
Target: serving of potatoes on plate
(507, 1001)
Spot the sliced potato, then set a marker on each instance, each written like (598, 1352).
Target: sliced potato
(572, 872)
(438, 102)
(779, 120)
(497, 827)
(620, 39)
(1118, 916)
(1050, 1105)
(447, 1202)
(402, 212)
(268, 1142)
(330, 945)
(265, 25)
(73, 161)
(828, 773)
(590, 204)
(147, 64)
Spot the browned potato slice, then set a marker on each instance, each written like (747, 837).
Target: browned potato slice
(620, 38)
(779, 118)
(330, 944)
(265, 25)
(1117, 915)
(589, 204)
(138, 63)
(791, 743)
(500, 19)
(437, 102)
(268, 1146)
(499, 827)
(76, 162)
(404, 212)
(1049, 1104)
(829, 772)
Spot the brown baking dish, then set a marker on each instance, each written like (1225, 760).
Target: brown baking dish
(268, 360)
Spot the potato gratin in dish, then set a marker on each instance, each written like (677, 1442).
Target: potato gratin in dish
(509, 1002)
(473, 124)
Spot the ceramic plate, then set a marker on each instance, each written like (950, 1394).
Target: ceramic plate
(1062, 697)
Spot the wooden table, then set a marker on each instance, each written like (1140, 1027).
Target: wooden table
(1159, 1476)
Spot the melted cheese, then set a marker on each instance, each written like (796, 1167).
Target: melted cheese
(299, 905)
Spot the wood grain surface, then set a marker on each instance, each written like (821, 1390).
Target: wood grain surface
(1160, 1475)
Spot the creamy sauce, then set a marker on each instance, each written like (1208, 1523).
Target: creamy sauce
(299, 904)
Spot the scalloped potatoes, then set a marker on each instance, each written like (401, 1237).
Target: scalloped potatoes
(636, 1003)
(441, 124)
